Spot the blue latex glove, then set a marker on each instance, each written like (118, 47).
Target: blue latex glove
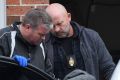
(21, 60)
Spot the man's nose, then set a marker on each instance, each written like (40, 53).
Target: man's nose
(43, 37)
(57, 29)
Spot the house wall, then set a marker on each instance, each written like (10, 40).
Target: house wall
(15, 9)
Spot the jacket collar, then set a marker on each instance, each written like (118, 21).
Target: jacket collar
(77, 28)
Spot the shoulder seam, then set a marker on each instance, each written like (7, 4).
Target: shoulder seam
(4, 34)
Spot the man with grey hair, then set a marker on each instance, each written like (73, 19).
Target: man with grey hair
(24, 40)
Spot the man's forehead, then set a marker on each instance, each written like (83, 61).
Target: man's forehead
(58, 19)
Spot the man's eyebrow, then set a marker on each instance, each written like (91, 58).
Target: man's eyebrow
(60, 22)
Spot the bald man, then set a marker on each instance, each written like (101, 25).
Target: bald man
(76, 47)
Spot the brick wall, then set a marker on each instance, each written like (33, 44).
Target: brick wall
(17, 8)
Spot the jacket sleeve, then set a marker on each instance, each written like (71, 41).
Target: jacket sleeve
(48, 62)
(4, 45)
(49, 67)
(105, 59)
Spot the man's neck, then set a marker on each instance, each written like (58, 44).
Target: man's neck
(71, 32)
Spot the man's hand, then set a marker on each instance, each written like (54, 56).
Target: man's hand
(23, 61)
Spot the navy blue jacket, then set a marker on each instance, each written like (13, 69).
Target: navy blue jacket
(96, 57)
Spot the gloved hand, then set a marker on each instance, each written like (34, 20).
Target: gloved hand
(23, 61)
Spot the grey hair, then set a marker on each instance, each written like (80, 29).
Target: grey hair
(37, 16)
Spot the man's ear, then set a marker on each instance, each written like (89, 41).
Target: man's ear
(69, 16)
(27, 27)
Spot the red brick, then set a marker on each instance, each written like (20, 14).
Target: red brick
(12, 2)
(35, 1)
(11, 19)
(18, 10)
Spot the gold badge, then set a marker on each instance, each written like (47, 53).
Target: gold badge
(71, 62)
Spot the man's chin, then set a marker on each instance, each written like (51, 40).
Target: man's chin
(35, 44)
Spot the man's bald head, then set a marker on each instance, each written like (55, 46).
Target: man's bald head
(61, 20)
(56, 9)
